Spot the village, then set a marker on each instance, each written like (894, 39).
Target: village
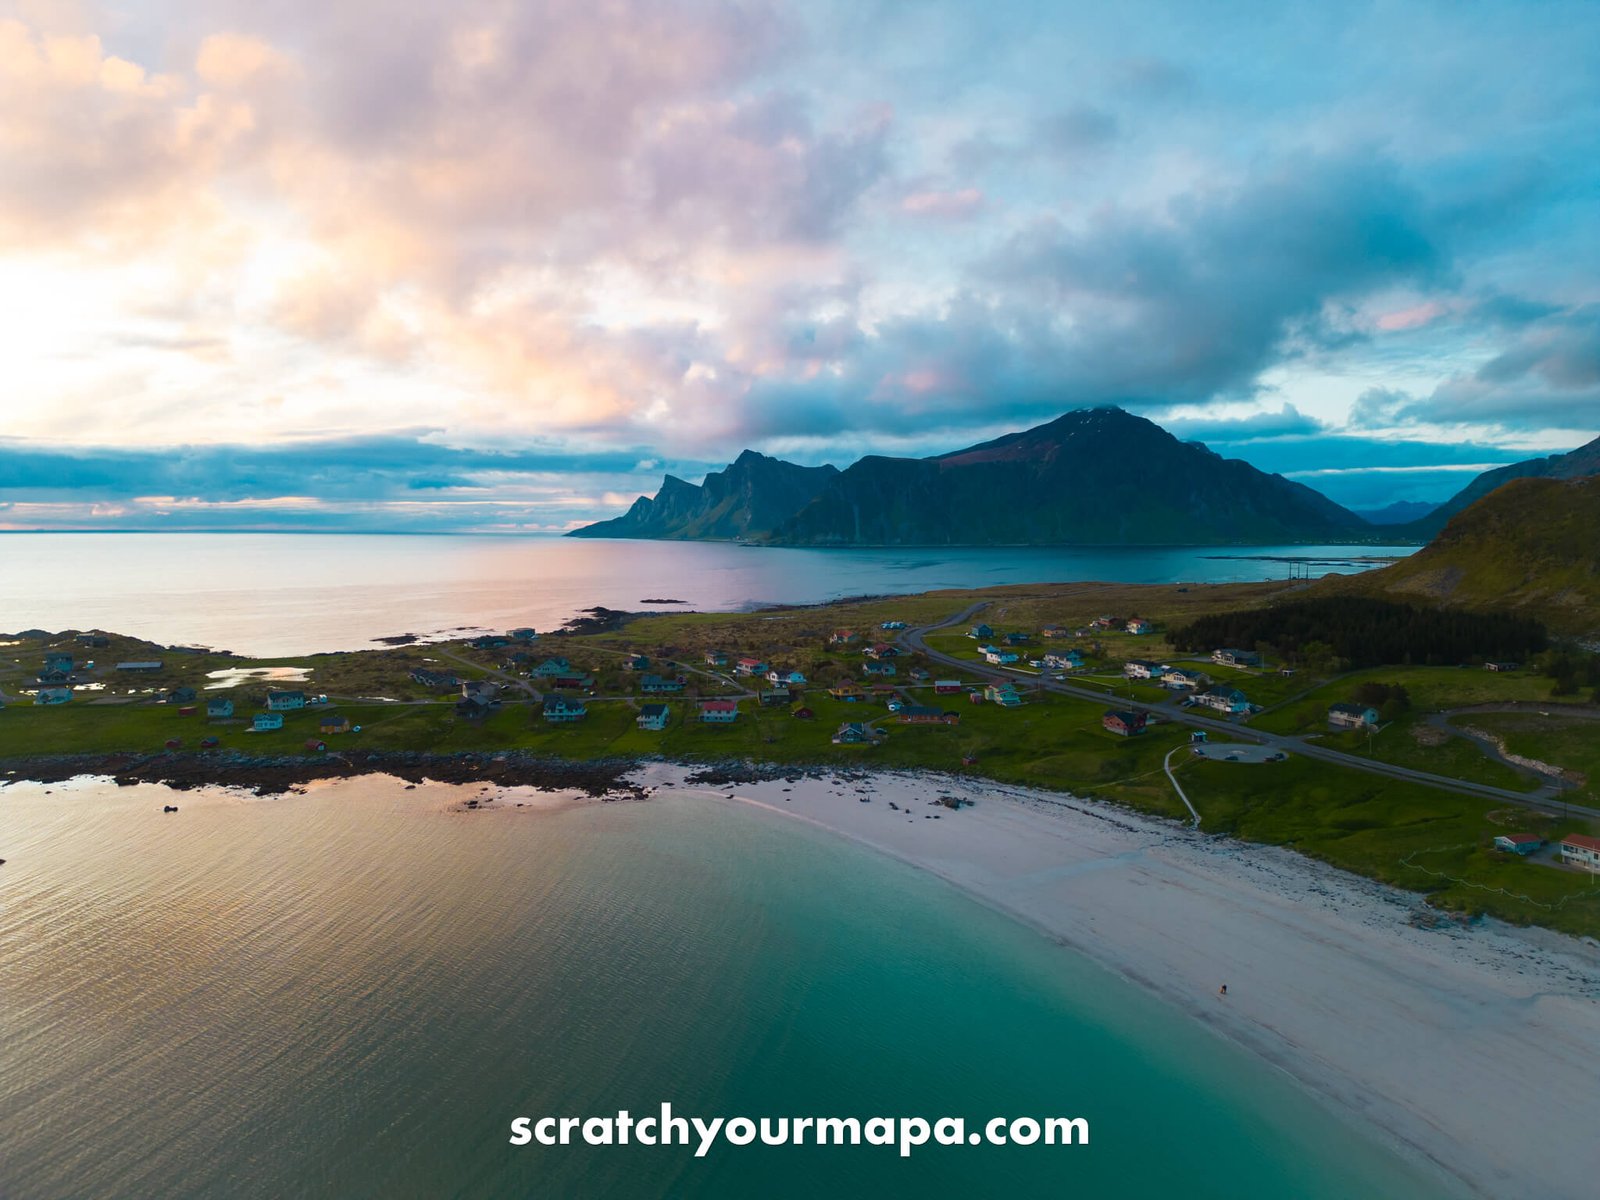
(1100, 706)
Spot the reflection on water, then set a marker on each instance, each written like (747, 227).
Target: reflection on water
(267, 594)
(234, 676)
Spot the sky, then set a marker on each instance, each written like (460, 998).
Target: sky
(497, 266)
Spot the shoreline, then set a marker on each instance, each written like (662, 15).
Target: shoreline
(1463, 1048)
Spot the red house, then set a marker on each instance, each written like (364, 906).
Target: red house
(1125, 723)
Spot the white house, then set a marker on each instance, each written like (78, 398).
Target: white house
(266, 721)
(1581, 851)
(1224, 699)
(284, 701)
(1352, 716)
(1138, 668)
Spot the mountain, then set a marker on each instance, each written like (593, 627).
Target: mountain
(1575, 464)
(1097, 476)
(1531, 546)
(1401, 512)
(747, 499)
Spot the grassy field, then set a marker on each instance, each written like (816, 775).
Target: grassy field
(1568, 742)
(1432, 689)
(1414, 837)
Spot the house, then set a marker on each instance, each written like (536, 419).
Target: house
(1124, 722)
(525, 634)
(750, 666)
(1581, 851)
(923, 714)
(1004, 694)
(918, 675)
(775, 697)
(896, 704)
(58, 662)
(1518, 843)
(333, 723)
(1055, 631)
(284, 701)
(719, 711)
(841, 637)
(1016, 639)
(1063, 660)
(882, 691)
(575, 682)
(1107, 622)
(95, 640)
(551, 667)
(1501, 666)
(317, 747)
(474, 707)
(881, 650)
(142, 667)
(980, 632)
(853, 733)
(1001, 658)
(488, 641)
(1139, 625)
(635, 662)
(885, 669)
(266, 721)
(1224, 699)
(847, 692)
(1177, 677)
(1138, 668)
(787, 678)
(892, 625)
(653, 716)
(181, 695)
(435, 679)
(946, 687)
(656, 684)
(1352, 716)
(46, 675)
(52, 695)
(715, 658)
(561, 710)
(1236, 658)
(188, 710)
(219, 708)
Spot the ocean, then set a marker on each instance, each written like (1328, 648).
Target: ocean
(278, 594)
(351, 992)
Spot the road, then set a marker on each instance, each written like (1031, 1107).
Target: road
(1546, 799)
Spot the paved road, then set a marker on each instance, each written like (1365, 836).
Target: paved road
(1546, 799)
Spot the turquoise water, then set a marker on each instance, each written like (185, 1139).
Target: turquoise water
(351, 993)
(299, 593)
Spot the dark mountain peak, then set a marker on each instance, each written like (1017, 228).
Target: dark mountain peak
(1575, 464)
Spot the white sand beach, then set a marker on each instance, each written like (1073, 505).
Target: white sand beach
(1473, 1048)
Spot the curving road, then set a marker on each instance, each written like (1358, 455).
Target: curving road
(1544, 800)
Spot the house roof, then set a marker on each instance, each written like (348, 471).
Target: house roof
(1353, 710)
(1520, 839)
(718, 706)
(653, 710)
(1123, 715)
(1582, 840)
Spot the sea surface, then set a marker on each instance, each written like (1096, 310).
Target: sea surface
(278, 594)
(352, 992)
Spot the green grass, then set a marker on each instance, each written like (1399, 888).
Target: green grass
(1397, 832)
(1431, 689)
(1572, 743)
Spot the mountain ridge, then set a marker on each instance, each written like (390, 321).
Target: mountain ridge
(1093, 476)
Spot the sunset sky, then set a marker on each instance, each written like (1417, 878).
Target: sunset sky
(374, 264)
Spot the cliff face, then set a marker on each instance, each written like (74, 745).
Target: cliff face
(1093, 477)
(747, 499)
(1096, 476)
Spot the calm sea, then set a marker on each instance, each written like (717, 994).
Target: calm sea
(271, 594)
(350, 993)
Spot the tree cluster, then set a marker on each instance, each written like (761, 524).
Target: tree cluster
(1348, 632)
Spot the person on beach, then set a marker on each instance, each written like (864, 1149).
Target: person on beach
(1223, 990)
